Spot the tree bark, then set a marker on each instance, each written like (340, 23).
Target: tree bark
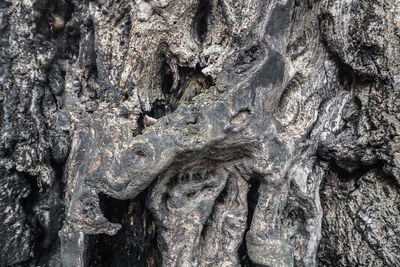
(200, 133)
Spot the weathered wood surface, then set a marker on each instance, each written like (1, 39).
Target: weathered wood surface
(200, 133)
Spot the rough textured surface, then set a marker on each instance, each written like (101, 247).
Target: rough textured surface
(199, 133)
(364, 211)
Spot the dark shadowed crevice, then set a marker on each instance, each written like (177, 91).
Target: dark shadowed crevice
(252, 199)
(44, 212)
(72, 33)
(355, 175)
(248, 55)
(140, 126)
(50, 214)
(167, 79)
(34, 221)
(346, 75)
(190, 83)
(201, 20)
(159, 108)
(2, 152)
(361, 169)
(30, 201)
(43, 27)
(135, 244)
(53, 18)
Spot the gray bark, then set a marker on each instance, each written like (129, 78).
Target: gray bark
(200, 133)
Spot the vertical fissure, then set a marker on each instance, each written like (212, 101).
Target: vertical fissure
(135, 244)
(201, 20)
(252, 200)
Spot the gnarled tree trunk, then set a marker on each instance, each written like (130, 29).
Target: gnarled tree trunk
(200, 133)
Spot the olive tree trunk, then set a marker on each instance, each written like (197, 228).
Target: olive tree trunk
(199, 133)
